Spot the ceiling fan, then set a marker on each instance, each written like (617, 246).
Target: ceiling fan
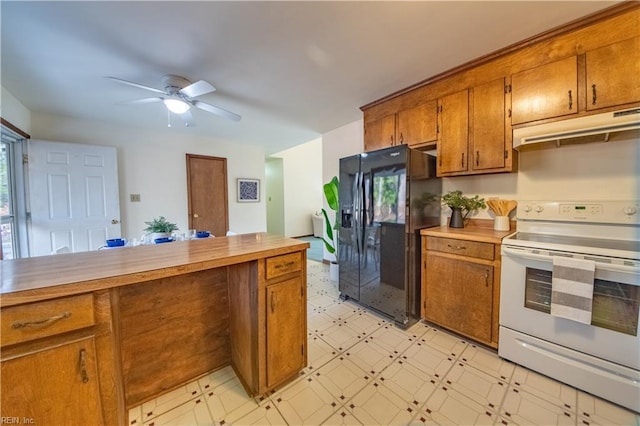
(178, 96)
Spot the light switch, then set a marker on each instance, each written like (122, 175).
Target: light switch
(135, 198)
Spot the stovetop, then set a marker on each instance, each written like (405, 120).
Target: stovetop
(572, 244)
(602, 228)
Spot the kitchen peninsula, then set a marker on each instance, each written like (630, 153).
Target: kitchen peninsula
(87, 335)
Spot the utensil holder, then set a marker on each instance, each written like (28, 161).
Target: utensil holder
(501, 223)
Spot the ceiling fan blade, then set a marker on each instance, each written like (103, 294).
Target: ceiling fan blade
(141, 101)
(216, 110)
(187, 117)
(131, 83)
(198, 88)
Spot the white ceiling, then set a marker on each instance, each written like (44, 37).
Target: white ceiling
(292, 70)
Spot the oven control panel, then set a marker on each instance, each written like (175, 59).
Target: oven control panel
(619, 212)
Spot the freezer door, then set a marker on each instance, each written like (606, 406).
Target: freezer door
(349, 232)
(384, 241)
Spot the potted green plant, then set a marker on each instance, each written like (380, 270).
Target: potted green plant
(459, 204)
(331, 189)
(160, 227)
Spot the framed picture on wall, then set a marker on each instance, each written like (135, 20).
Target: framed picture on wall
(248, 190)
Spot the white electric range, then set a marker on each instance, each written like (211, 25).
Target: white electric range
(601, 357)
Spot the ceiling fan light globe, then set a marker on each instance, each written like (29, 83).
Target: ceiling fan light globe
(176, 106)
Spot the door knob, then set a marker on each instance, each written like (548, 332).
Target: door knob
(196, 215)
(115, 221)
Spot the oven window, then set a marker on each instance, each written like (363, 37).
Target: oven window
(615, 305)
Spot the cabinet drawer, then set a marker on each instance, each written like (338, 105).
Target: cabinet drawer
(282, 265)
(461, 247)
(41, 319)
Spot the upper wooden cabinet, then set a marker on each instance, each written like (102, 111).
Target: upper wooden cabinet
(474, 133)
(413, 126)
(490, 137)
(612, 74)
(417, 125)
(547, 91)
(380, 133)
(453, 138)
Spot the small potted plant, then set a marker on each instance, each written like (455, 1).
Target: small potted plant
(160, 228)
(459, 203)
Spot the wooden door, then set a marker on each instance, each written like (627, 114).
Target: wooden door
(546, 91)
(453, 139)
(459, 295)
(207, 194)
(74, 197)
(417, 125)
(53, 386)
(285, 317)
(380, 133)
(613, 74)
(487, 138)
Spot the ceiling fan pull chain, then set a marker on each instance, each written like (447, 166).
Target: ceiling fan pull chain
(168, 118)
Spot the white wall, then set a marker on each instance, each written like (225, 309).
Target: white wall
(302, 177)
(596, 171)
(275, 195)
(152, 163)
(12, 110)
(336, 144)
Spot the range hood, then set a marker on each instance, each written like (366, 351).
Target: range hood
(604, 127)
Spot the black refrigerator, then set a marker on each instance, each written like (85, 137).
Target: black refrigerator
(386, 197)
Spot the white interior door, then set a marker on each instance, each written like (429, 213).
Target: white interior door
(73, 194)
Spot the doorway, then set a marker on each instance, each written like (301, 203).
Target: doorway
(207, 194)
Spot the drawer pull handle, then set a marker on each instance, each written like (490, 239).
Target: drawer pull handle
(41, 322)
(456, 247)
(284, 265)
(273, 302)
(83, 366)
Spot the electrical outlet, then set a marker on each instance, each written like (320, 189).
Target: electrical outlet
(134, 198)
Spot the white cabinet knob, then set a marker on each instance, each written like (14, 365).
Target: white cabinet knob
(630, 210)
(539, 209)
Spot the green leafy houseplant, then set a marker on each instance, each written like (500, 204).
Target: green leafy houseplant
(331, 195)
(160, 225)
(459, 203)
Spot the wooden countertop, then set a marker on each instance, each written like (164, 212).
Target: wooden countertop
(46, 277)
(479, 230)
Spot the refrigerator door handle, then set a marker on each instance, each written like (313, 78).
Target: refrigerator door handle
(361, 218)
(356, 197)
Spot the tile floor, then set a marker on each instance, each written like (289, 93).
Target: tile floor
(362, 370)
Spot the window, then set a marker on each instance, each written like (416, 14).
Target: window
(13, 216)
(7, 203)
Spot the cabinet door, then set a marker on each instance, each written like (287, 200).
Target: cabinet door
(612, 74)
(417, 125)
(380, 133)
(459, 295)
(286, 331)
(453, 139)
(546, 91)
(487, 139)
(54, 386)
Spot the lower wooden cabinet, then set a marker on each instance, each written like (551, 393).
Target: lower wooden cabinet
(268, 320)
(57, 362)
(461, 286)
(286, 352)
(58, 385)
(459, 296)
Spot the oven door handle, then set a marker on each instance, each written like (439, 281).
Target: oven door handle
(507, 251)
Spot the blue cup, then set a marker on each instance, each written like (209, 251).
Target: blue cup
(203, 234)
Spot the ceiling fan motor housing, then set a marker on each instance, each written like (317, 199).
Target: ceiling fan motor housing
(173, 83)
